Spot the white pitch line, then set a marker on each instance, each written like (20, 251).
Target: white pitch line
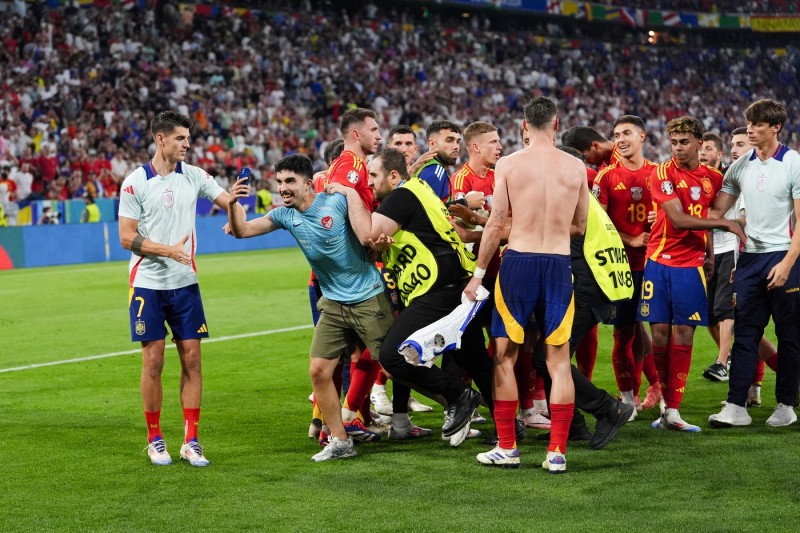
(129, 352)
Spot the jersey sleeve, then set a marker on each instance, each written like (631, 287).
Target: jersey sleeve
(278, 216)
(461, 184)
(662, 188)
(730, 183)
(794, 174)
(129, 204)
(343, 171)
(600, 187)
(436, 177)
(396, 206)
(208, 186)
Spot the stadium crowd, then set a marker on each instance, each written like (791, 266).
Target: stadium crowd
(81, 84)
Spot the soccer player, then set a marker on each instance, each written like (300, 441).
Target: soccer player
(535, 274)
(767, 282)
(673, 296)
(156, 223)
(720, 287)
(445, 138)
(595, 149)
(431, 266)
(353, 305)
(622, 188)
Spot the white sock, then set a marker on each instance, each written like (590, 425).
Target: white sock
(348, 415)
(526, 412)
(540, 405)
(627, 397)
(400, 420)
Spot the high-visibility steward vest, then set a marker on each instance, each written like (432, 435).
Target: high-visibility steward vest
(3, 218)
(605, 254)
(263, 201)
(94, 213)
(411, 261)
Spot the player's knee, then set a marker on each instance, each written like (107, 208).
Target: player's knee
(318, 370)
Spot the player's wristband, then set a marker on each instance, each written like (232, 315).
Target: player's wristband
(479, 273)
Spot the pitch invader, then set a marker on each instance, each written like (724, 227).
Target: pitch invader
(623, 189)
(673, 298)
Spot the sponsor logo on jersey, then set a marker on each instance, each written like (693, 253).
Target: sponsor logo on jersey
(168, 197)
(708, 187)
(762, 183)
(139, 327)
(327, 222)
(128, 189)
(666, 188)
(352, 177)
(636, 193)
(695, 192)
(682, 184)
(620, 187)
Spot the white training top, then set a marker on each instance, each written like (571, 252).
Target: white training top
(725, 241)
(165, 207)
(769, 189)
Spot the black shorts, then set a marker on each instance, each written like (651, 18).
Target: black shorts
(625, 313)
(720, 289)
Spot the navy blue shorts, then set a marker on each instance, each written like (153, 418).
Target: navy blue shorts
(182, 309)
(673, 295)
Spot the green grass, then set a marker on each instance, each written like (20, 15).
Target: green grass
(71, 436)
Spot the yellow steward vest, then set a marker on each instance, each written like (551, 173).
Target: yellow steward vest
(605, 254)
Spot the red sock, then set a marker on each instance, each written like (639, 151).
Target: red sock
(680, 360)
(538, 392)
(772, 361)
(586, 353)
(622, 358)
(191, 419)
(153, 420)
(362, 376)
(382, 379)
(526, 379)
(661, 363)
(638, 367)
(758, 376)
(504, 413)
(650, 369)
(560, 419)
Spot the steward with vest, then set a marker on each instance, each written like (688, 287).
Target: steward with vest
(431, 266)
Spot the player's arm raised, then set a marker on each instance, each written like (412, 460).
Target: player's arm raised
(238, 225)
(132, 240)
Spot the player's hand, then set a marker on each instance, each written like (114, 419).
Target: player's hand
(424, 158)
(227, 228)
(382, 243)
(178, 252)
(239, 189)
(335, 187)
(735, 227)
(708, 268)
(640, 240)
(475, 199)
(472, 288)
(778, 275)
(464, 213)
(733, 275)
(651, 217)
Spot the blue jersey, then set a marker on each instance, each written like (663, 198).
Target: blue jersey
(435, 175)
(339, 261)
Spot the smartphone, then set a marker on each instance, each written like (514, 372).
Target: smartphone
(245, 173)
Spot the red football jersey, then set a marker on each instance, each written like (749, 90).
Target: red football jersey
(613, 158)
(466, 180)
(591, 174)
(696, 189)
(348, 169)
(626, 194)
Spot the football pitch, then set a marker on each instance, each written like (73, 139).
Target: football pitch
(73, 432)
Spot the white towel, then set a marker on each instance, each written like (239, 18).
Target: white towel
(424, 345)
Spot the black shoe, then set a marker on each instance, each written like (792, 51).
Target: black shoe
(716, 372)
(577, 432)
(460, 412)
(607, 428)
(521, 434)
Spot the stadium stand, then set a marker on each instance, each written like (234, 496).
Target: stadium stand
(80, 84)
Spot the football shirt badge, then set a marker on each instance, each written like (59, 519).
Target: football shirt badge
(666, 187)
(352, 177)
(168, 197)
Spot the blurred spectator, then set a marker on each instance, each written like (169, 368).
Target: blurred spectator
(49, 216)
(23, 177)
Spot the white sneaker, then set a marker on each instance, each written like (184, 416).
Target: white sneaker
(193, 452)
(412, 431)
(628, 398)
(555, 463)
(500, 457)
(731, 415)
(418, 407)
(782, 416)
(336, 449)
(477, 418)
(157, 450)
(458, 438)
(380, 419)
(535, 420)
(380, 400)
(672, 420)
